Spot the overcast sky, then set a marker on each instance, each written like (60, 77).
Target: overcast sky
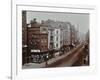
(80, 20)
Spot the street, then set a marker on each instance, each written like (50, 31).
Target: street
(75, 57)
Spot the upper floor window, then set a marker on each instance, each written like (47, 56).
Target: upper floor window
(56, 45)
(57, 31)
(56, 38)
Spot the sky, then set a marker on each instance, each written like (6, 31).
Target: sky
(80, 20)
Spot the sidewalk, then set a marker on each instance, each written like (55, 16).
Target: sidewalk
(33, 65)
(51, 61)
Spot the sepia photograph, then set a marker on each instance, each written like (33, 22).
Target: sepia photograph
(55, 39)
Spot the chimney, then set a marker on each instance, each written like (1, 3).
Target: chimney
(34, 20)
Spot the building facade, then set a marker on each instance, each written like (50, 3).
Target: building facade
(54, 38)
(37, 40)
(59, 34)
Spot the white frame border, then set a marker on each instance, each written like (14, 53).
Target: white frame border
(83, 71)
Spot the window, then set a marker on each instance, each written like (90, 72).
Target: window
(51, 38)
(57, 31)
(45, 47)
(41, 41)
(45, 41)
(44, 29)
(51, 45)
(56, 38)
(51, 32)
(56, 45)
